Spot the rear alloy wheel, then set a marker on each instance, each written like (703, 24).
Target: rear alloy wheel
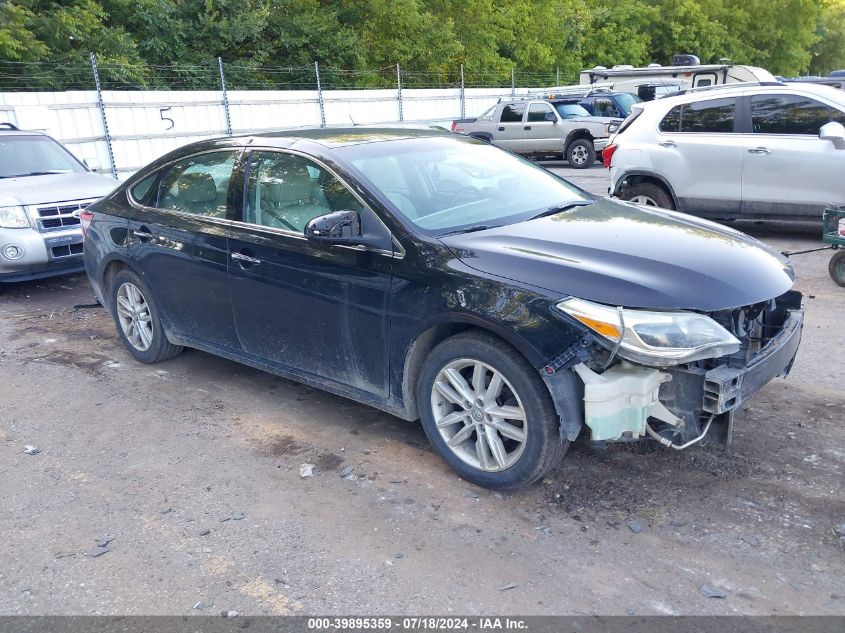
(488, 415)
(581, 154)
(647, 194)
(136, 316)
(836, 268)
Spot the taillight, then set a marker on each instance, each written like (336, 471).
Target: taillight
(607, 154)
(454, 125)
(85, 219)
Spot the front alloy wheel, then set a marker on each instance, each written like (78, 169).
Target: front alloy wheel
(479, 415)
(487, 412)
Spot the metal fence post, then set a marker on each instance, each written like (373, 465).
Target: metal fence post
(320, 95)
(557, 76)
(399, 88)
(102, 108)
(513, 84)
(463, 95)
(225, 97)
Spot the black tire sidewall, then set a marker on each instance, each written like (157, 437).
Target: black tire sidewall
(160, 347)
(591, 153)
(544, 444)
(656, 193)
(837, 262)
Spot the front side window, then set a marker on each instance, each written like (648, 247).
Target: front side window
(198, 184)
(512, 113)
(537, 112)
(789, 114)
(712, 116)
(286, 191)
(604, 107)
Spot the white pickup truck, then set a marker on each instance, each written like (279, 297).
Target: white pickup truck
(542, 128)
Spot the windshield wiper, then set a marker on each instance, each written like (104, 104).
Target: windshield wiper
(40, 173)
(469, 229)
(558, 208)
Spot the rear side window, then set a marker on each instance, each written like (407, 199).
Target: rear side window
(713, 116)
(789, 114)
(512, 113)
(198, 184)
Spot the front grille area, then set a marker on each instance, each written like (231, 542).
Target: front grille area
(53, 217)
(67, 250)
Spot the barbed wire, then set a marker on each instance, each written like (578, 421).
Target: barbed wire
(77, 74)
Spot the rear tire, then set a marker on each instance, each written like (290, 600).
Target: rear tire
(648, 194)
(581, 154)
(507, 430)
(138, 319)
(836, 268)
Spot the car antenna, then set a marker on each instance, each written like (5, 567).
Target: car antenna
(351, 119)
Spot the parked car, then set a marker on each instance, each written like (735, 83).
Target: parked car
(437, 277)
(42, 188)
(748, 151)
(608, 103)
(534, 128)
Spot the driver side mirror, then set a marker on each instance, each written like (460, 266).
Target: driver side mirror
(550, 116)
(338, 227)
(834, 132)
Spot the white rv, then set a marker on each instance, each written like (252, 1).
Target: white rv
(655, 80)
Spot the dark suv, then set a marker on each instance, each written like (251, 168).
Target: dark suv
(438, 277)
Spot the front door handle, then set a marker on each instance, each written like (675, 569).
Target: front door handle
(668, 144)
(143, 234)
(759, 150)
(527, 127)
(502, 128)
(245, 259)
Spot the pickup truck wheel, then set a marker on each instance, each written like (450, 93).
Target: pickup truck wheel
(648, 195)
(487, 413)
(836, 268)
(581, 154)
(137, 318)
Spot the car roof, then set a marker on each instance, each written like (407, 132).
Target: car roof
(341, 136)
(730, 90)
(8, 129)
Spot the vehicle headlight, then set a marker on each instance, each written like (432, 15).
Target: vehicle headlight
(651, 337)
(13, 218)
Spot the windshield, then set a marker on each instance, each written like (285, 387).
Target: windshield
(570, 110)
(445, 184)
(31, 155)
(626, 100)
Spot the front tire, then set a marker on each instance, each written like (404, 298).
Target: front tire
(138, 319)
(581, 154)
(487, 412)
(648, 194)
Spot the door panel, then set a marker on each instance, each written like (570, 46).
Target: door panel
(508, 132)
(540, 135)
(787, 170)
(309, 307)
(182, 250)
(701, 156)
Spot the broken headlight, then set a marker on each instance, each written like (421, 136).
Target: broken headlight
(654, 338)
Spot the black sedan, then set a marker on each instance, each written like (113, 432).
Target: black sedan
(440, 278)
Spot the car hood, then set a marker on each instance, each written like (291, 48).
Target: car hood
(622, 254)
(28, 190)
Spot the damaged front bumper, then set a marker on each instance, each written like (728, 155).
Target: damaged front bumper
(628, 400)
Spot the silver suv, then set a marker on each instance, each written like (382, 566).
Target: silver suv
(43, 187)
(772, 150)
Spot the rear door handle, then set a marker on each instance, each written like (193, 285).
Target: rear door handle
(245, 259)
(527, 127)
(668, 144)
(143, 234)
(502, 128)
(759, 150)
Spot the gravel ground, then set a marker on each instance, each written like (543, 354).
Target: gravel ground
(187, 473)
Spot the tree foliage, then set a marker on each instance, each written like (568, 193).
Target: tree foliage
(163, 43)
